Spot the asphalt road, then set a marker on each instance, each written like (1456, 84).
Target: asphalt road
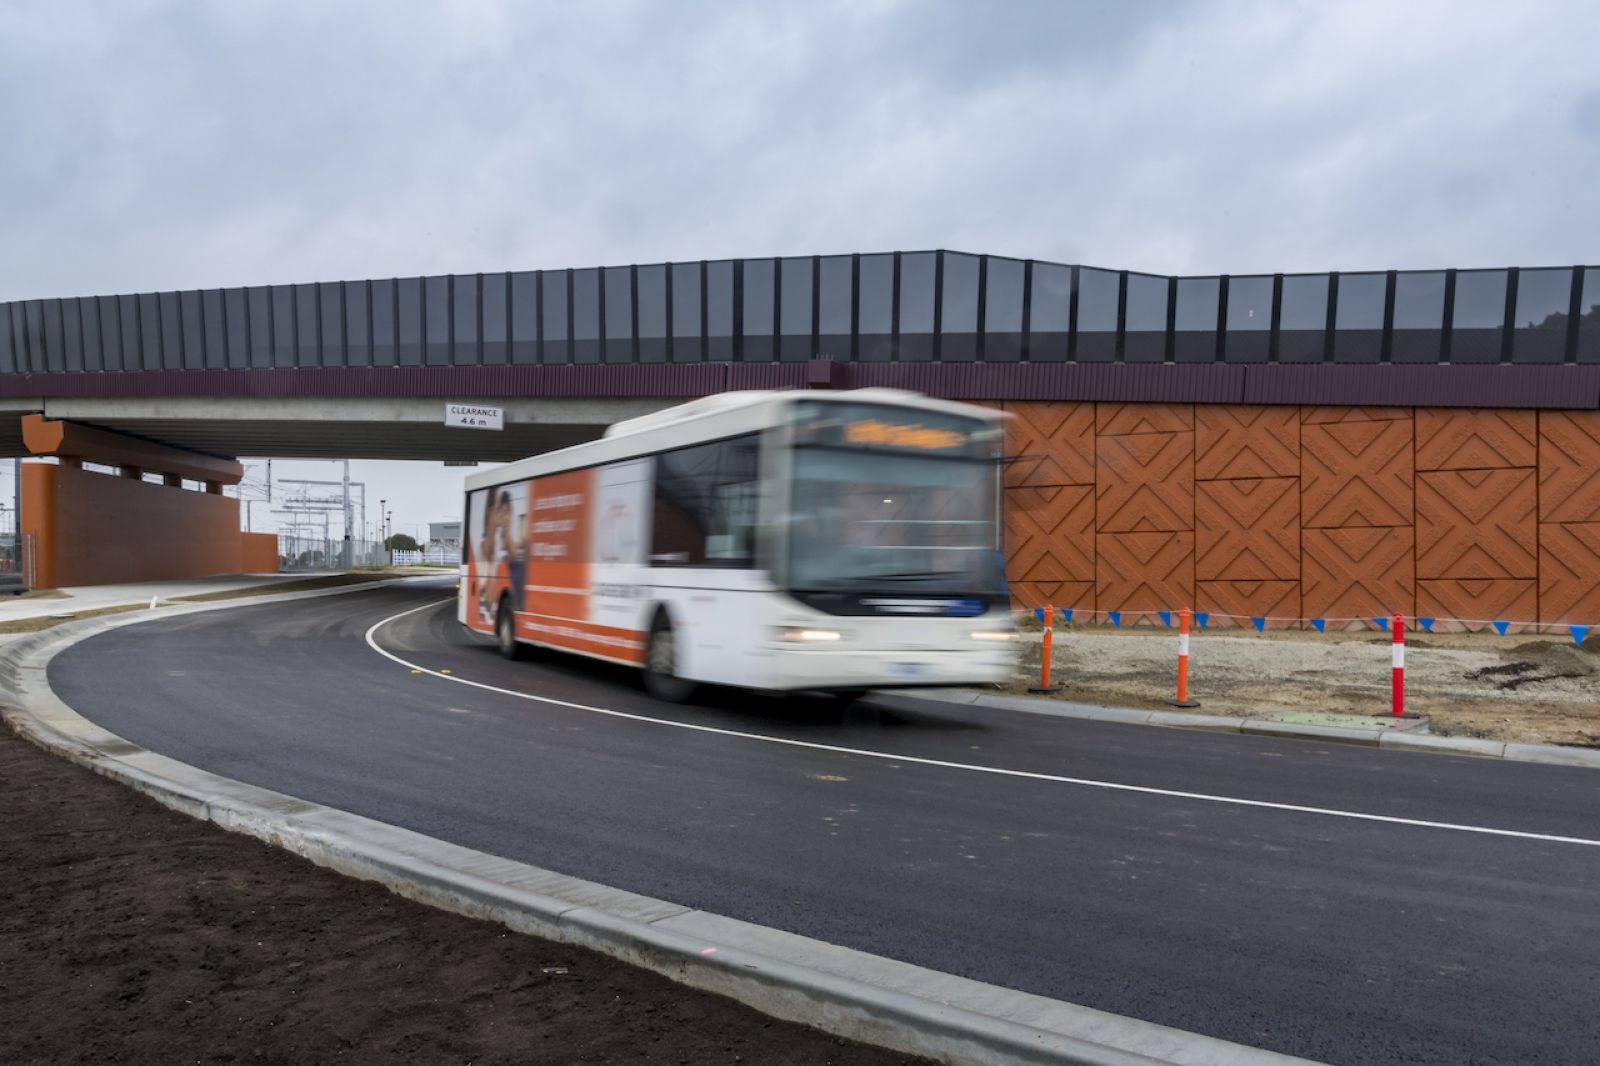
(1342, 939)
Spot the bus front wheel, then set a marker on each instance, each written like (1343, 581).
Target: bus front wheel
(661, 678)
(505, 630)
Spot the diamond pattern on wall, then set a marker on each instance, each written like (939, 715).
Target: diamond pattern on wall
(1237, 441)
(1050, 533)
(1142, 573)
(1325, 415)
(1248, 599)
(1503, 519)
(1125, 418)
(1477, 524)
(1050, 443)
(1145, 482)
(1247, 529)
(1356, 573)
(1569, 466)
(1569, 573)
(1077, 595)
(1473, 605)
(1356, 474)
(1450, 439)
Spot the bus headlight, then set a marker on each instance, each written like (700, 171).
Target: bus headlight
(808, 635)
(995, 634)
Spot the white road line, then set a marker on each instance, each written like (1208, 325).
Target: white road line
(995, 770)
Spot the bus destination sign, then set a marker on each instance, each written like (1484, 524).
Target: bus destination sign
(894, 435)
(882, 427)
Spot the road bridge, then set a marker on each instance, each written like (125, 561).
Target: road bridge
(1345, 444)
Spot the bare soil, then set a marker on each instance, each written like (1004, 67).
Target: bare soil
(1528, 688)
(132, 934)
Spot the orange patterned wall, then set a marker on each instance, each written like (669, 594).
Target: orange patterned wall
(1305, 512)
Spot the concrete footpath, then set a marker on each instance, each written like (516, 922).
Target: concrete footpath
(842, 991)
(1390, 734)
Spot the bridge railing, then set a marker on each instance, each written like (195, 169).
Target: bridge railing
(917, 307)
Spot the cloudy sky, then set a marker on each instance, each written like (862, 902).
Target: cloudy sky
(162, 145)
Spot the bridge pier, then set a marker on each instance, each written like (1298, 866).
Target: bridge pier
(83, 527)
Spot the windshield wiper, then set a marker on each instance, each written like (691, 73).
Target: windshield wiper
(913, 575)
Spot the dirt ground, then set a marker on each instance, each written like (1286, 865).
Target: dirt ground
(1532, 688)
(131, 934)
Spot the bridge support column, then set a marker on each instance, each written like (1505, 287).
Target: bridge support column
(87, 528)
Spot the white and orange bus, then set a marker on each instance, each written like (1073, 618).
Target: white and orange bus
(835, 541)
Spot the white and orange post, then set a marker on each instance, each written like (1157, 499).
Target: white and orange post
(1047, 651)
(1398, 686)
(1183, 699)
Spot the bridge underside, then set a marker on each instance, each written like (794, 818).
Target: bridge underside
(342, 428)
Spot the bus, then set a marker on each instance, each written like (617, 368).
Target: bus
(774, 540)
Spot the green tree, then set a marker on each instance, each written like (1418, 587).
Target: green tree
(402, 542)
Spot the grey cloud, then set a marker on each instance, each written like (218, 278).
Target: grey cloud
(163, 145)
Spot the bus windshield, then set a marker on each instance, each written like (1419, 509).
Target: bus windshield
(892, 521)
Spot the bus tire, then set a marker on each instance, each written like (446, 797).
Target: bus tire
(505, 630)
(661, 678)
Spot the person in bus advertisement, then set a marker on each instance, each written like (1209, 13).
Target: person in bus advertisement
(502, 551)
(486, 519)
(514, 518)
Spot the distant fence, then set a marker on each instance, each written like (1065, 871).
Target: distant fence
(318, 553)
(433, 556)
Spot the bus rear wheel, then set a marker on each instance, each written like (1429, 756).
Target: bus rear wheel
(505, 630)
(661, 678)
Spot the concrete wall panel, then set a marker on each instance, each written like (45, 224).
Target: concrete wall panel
(1144, 482)
(1247, 529)
(1569, 466)
(1356, 473)
(258, 553)
(1357, 573)
(1077, 595)
(1050, 533)
(1475, 440)
(1232, 604)
(1050, 443)
(1473, 604)
(98, 529)
(1232, 441)
(1125, 418)
(1477, 524)
(1142, 573)
(1569, 572)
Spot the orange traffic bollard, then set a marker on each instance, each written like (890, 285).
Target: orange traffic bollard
(1183, 699)
(1044, 686)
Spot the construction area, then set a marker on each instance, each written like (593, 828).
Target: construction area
(1528, 687)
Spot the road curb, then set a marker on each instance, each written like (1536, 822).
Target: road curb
(849, 993)
(1384, 739)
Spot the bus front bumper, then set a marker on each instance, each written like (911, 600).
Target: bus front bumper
(792, 668)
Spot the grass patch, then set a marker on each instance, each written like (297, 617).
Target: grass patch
(47, 621)
(34, 625)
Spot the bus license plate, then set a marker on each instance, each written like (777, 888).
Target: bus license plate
(910, 669)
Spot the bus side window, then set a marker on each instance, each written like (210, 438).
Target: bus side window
(705, 505)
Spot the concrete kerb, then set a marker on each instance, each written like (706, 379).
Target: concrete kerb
(1385, 739)
(845, 992)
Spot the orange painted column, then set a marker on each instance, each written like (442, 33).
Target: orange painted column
(38, 523)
